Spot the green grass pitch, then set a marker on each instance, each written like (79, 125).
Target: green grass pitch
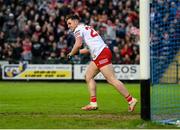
(56, 105)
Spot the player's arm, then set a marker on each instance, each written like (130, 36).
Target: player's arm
(76, 47)
(84, 51)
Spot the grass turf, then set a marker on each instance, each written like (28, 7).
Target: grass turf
(57, 105)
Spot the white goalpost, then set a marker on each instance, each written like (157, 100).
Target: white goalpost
(145, 58)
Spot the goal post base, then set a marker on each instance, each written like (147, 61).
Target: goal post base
(145, 99)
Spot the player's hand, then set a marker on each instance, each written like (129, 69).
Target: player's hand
(69, 56)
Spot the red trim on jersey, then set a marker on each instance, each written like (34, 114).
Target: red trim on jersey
(104, 58)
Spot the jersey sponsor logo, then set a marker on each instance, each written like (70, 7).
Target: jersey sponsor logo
(103, 61)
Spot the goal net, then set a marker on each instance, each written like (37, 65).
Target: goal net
(165, 60)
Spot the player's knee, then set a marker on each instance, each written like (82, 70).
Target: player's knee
(87, 77)
(110, 80)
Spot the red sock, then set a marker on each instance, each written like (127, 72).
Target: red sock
(93, 99)
(129, 98)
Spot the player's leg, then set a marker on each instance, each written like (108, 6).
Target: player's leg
(91, 72)
(109, 74)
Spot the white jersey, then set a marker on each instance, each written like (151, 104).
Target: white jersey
(92, 39)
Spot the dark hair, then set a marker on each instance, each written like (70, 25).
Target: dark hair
(72, 16)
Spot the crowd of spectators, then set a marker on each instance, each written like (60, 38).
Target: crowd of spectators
(165, 38)
(165, 27)
(35, 30)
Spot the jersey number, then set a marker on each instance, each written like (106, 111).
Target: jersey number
(93, 33)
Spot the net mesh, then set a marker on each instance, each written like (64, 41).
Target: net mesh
(165, 59)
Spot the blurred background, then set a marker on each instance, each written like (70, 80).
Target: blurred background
(35, 30)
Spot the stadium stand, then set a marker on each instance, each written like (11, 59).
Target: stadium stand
(35, 30)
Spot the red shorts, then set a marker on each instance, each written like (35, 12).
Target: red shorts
(104, 58)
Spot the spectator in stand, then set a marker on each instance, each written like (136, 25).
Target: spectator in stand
(21, 21)
(17, 51)
(7, 52)
(36, 50)
(2, 20)
(126, 53)
(117, 59)
(27, 49)
(54, 52)
(111, 34)
(62, 58)
(2, 38)
(1, 53)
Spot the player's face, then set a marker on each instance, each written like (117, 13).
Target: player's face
(72, 24)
